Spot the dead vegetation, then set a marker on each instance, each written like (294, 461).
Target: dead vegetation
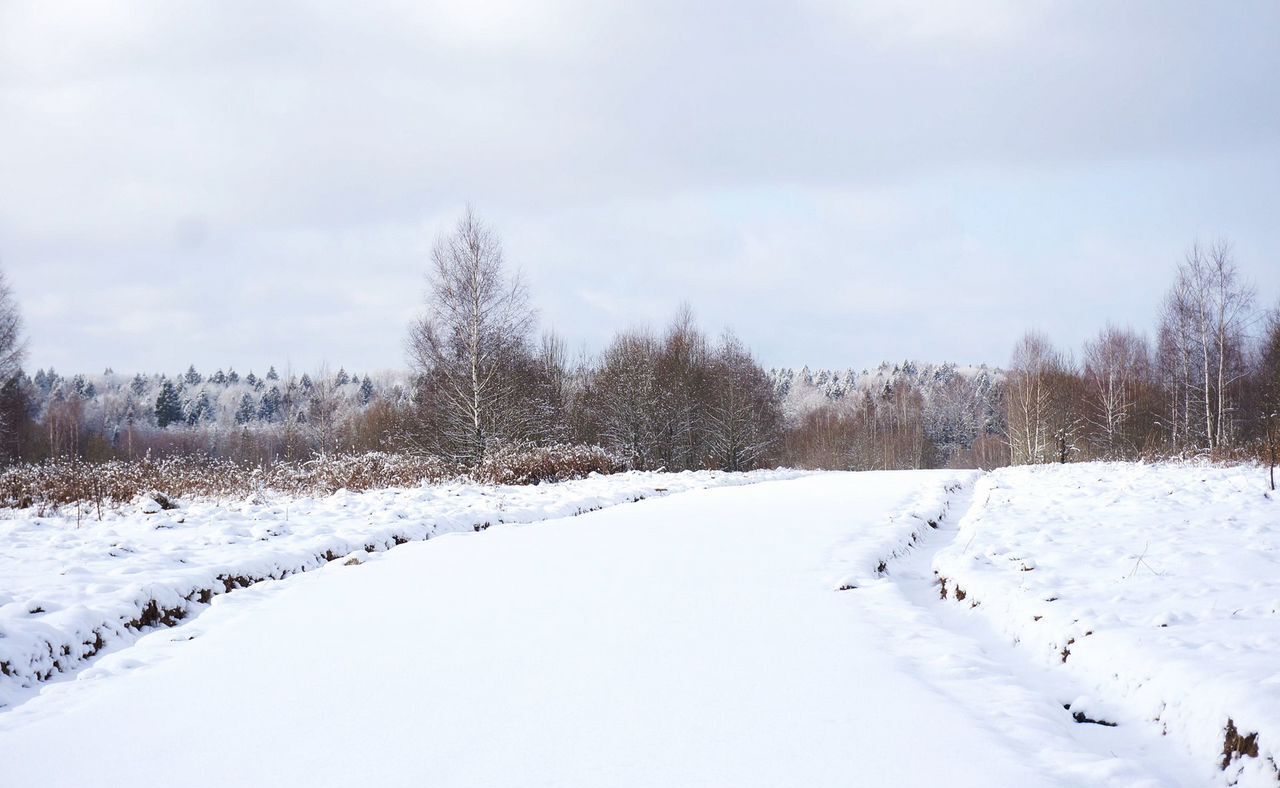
(1236, 745)
(91, 485)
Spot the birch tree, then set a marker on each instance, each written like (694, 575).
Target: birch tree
(1029, 399)
(1232, 302)
(1206, 314)
(1042, 403)
(469, 351)
(1115, 368)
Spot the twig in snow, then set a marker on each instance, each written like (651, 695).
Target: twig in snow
(1142, 561)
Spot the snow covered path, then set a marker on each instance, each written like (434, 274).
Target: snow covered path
(693, 640)
(970, 662)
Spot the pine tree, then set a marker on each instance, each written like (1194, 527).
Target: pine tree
(246, 412)
(366, 391)
(51, 380)
(219, 378)
(270, 405)
(168, 405)
(342, 377)
(272, 375)
(192, 378)
(139, 385)
(306, 383)
(233, 377)
(200, 409)
(83, 388)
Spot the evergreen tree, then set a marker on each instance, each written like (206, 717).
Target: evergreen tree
(252, 381)
(306, 383)
(233, 377)
(246, 412)
(272, 375)
(51, 380)
(168, 405)
(192, 378)
(342, 378)
(83, 388)
(139, 385)
(366, 391)
(270, 405)
(219, 378)
(200, 409)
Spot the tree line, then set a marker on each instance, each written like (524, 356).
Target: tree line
(1209, 384)
(482, 379)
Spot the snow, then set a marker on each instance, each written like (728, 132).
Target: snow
(70, 589)
(787, 632)
(684, 641)
(1156, 587)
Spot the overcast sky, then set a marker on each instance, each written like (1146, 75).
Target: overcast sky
(245, 183)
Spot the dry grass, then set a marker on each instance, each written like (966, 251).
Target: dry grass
(60, 482)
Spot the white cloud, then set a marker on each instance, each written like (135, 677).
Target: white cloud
(262, 164)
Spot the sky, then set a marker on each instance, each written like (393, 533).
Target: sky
(238, 184)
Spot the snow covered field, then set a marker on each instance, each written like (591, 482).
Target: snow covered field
(70, 590)
(1158, 587)
(783, 633)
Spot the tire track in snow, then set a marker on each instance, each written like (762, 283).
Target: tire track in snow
(963, 658)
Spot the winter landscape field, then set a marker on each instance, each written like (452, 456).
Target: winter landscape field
(505, 393)
(1017, 627)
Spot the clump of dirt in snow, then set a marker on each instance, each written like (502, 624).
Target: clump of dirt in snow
(1237, 745)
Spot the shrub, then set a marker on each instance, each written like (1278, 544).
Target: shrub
(537, 464)
(70, 481)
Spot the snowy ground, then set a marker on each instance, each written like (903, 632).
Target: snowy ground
(1157, 588)
(784, 633)
(70, 589)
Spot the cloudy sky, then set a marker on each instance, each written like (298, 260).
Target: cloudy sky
(243, 183)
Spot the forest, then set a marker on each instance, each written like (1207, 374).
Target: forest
(483, 382)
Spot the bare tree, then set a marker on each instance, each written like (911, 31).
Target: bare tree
(467, 347)
(12, 346)
(743, 417)
(1207, 313)
(1115, 368)
(12, 351)
(324, 403)
(1232, 301)
(624, 397)
(682, 368)
(1268, 389)
(1029, 398)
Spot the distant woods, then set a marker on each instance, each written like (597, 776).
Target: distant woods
(1208, 385)
(484, 381)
